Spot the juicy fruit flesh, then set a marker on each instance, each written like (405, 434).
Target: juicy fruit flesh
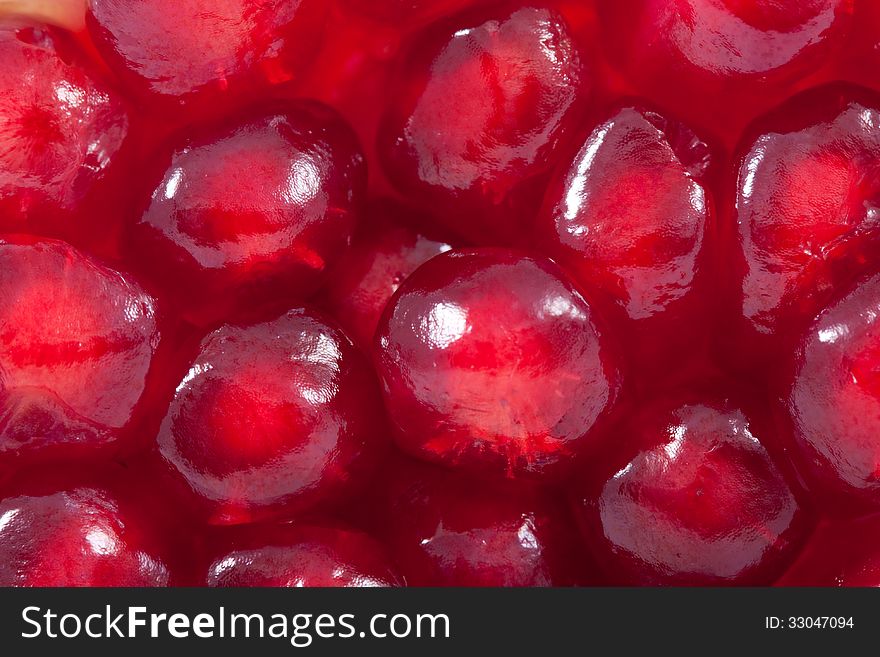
(481, 114)
(75, 538)
(246, 210)
(835, 396)
(772, 15)
(702, 502)
(633, 213)
(60, 130)
(490, 359)
(274, 414)
(630, 219)
(801, 195)
(399, 12)
(693, 56)
(609, 136)
(713, 35)
(441, 534)
(192, 51)
(778, 33)
(76, 345)
(477, 112)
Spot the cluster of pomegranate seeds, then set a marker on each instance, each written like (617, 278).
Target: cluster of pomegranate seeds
(439, 292)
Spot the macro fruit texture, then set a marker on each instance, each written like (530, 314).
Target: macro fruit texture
(62, 131)
(198, 55)
(291, 556)
(694, 498)
(834, 397)
(72, 538)
(272, 417)
(806, 207)
(440, 534)
(630, 220)
(491, 360)
(439, 292)
(694, 56)
(77, 340)
(252, 211)
(407, 12)
(480, 113)
(387, 251)
(842, 553)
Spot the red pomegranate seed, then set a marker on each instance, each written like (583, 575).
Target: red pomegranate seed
(835, 398)
(252, 212)
(76, 344)
(273, 418)
(691, 498)
(479, 115)
(61, 133)
(629, 219)
(492, 361)
(73, 538)
(206, 55)
(806, 209)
